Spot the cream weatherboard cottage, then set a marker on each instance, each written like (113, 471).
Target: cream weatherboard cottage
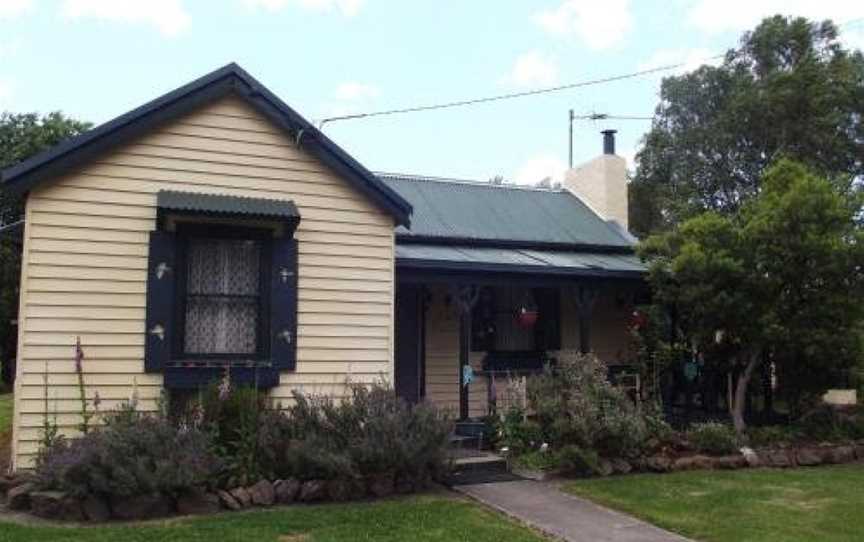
(215, 227)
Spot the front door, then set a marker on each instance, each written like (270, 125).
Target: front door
(409, 351)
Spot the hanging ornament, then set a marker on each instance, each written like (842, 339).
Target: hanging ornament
(638, 320)
(527, 314)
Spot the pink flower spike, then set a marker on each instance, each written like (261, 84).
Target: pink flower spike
(79, 356)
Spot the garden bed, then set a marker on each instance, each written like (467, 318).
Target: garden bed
(21, 493)
(578, 425)
(229, 450)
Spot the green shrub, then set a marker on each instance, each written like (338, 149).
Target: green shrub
(656, 426)
(370, 432)
(517, 433)
(230, 438)
(233, 419)
(577, 461)
(772, 436)
(713, 438)
(538, 460)
(133, 454)
(831, 424)
(575, 404)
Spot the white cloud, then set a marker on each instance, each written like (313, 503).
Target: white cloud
(600, 25)
(689, 58)
(13, 8)
(539, 167)
(350, 98)
(348, 8)
(353, 91)
(717, 16)
(533, 69)
(168, 16)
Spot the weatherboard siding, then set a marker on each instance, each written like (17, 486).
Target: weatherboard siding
(610, 341)
(85, 265)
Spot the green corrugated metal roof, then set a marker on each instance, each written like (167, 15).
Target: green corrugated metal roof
(415, 255)
(229, 205)
(483, 211)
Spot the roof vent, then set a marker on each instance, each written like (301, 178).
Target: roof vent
(609, 141)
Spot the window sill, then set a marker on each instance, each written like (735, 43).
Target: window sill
(215, 363)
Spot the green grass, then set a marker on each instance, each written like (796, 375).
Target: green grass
(425, 518)
(822, 503)
(5, 412)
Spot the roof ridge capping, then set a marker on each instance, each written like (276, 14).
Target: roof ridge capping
(22, 177)
(470, 182)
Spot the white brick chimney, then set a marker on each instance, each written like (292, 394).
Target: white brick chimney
(602, 183)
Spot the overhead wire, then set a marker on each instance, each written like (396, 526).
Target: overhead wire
(509, 96)
(536, 92)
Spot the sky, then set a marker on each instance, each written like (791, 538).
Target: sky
(96, 59)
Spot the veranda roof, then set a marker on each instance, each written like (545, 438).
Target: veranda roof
(519, 260)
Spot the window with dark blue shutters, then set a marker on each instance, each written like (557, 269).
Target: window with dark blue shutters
(221, 296)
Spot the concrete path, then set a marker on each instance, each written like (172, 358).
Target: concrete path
(546, 508)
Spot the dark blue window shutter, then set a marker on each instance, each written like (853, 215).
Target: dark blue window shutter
(283, 305)
(161, 280)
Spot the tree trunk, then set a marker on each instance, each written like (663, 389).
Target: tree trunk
(739, 398)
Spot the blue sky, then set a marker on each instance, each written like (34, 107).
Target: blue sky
(95, 59)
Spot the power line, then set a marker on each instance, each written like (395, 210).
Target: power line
(510, 96)
(535, 92)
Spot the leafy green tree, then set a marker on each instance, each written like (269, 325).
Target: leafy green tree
(784, 275)
(702, 273)
(21, 136)
(789, 89)
(809, 255)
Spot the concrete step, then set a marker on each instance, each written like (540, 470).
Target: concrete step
(479, 468)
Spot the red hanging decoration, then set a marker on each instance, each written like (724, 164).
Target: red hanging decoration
(527, 313)
(638, 320)
(526, 317)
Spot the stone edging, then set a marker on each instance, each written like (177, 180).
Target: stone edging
(804, 456)
(21, 495)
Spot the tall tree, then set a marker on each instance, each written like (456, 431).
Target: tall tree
(785, 275)
(808, 252)
(21, 136)
(790, 89)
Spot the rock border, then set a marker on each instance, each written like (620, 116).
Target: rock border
(778, 458)
(22, 495)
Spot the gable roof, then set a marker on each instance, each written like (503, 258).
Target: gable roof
(232, 78)
(448, 211)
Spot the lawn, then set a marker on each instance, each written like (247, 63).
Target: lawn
(425, 518)
(822, 504)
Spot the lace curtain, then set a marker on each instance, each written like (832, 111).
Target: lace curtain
(222, 296)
